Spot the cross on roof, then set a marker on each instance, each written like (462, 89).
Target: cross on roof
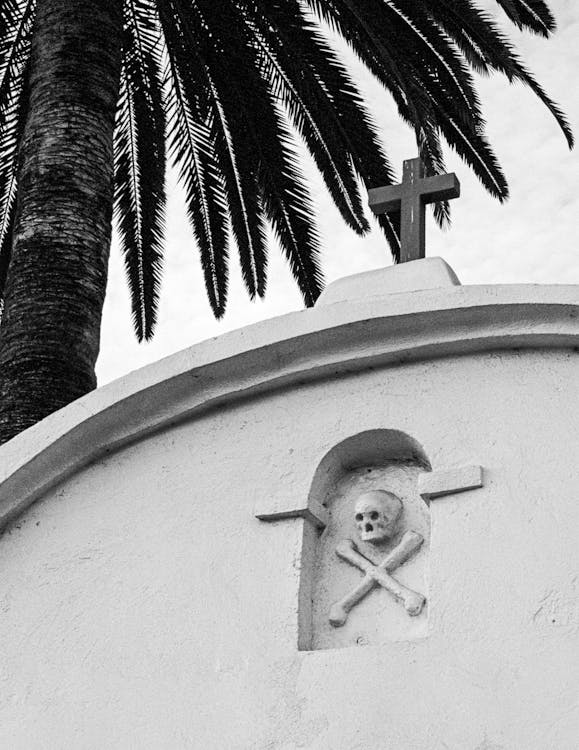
(410, 199)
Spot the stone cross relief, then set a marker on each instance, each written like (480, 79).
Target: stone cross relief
(376, 516)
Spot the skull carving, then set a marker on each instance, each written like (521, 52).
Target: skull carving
(376, 515)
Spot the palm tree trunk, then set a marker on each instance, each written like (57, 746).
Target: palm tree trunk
(49, 337)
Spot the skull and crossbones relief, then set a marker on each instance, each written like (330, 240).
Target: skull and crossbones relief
(376, 515)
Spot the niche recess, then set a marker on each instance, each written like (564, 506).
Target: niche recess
(376, 459)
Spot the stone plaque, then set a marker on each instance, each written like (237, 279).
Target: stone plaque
(370, 582)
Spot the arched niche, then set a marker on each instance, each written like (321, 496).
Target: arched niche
(384, 459)
(368, 448)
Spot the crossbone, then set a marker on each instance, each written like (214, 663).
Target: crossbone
(378, 575)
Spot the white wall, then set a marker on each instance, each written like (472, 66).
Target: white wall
(144, 606)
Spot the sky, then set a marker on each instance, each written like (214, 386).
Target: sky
(531, 239)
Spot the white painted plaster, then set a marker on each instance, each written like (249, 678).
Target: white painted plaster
(426, 273)
(439, 483)
(142, 604)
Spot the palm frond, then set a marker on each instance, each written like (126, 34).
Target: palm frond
(289, 208)
(210, 77)
(340, 108)
(140, 163)
(487, 49)
(262, 138)
(477, 153)
(407, 61)
(401, 45)
(432, 89)
(193, 136)
(10, 135)
(429, 52)
(6, 250)
(533, 15)
(16, 19)
(15, 28)
(231, 83)
(295, 60)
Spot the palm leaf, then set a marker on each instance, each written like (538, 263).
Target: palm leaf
(533, 15)
(193, 139)
(140, 163)
(431, 87)
(231, 78)
(16, 19)
(295, 60)
(210, 77)
(264, 140)
(15, 22)
(487, 49)
(289, 209)
(412, 69)
(6, 249)
(193, 133)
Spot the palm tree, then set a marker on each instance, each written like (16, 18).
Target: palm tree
(91, 93)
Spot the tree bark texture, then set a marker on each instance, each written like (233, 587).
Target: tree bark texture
(50, 331)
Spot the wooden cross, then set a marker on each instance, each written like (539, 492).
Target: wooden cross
(410, 199)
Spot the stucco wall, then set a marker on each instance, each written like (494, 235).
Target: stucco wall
(143, 605)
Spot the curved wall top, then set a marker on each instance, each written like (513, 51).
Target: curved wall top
(335, 337)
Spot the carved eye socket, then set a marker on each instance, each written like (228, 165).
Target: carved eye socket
(359, 517)
(374, 515)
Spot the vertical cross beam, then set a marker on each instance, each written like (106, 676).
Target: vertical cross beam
(410, 198)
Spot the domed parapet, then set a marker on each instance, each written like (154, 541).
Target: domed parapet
(427, 273)
(342, 334)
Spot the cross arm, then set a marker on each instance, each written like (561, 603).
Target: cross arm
(441, 187)
(385, 199)
(312, 511)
